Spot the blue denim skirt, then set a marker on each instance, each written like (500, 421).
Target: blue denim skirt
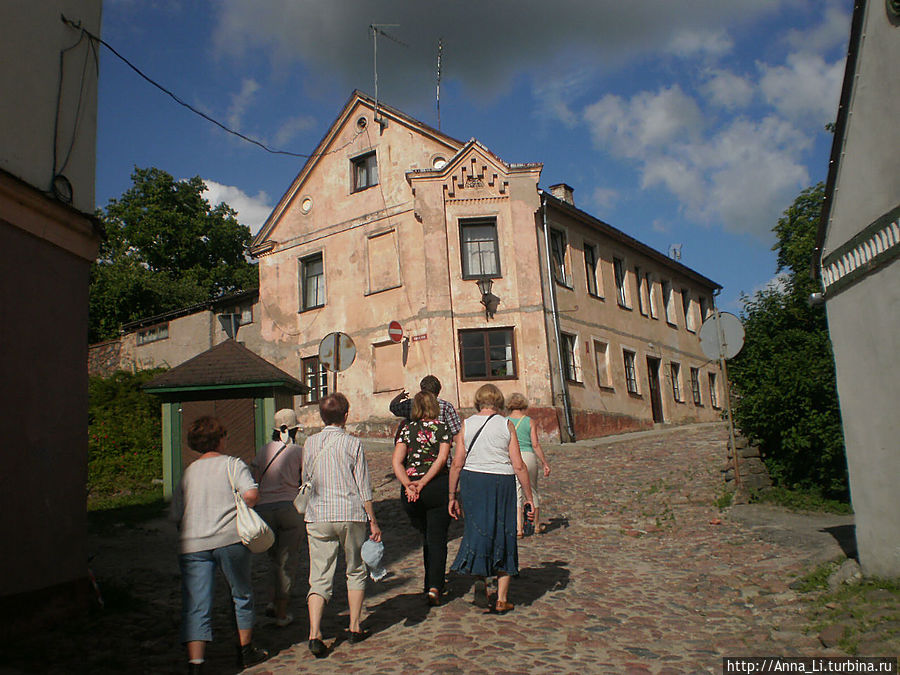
(489, 542)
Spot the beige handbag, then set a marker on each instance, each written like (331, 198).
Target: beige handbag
(254, 532)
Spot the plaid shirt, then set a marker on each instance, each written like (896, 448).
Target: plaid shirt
(340, 484)
(448, 413)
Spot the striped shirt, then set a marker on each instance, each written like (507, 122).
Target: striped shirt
(340, 480)
(448, 413)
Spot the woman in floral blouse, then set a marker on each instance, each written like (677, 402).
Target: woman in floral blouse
(420, 464)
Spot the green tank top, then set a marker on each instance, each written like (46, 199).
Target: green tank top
(523, 432)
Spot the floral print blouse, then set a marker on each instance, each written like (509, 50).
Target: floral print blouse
(423, 440)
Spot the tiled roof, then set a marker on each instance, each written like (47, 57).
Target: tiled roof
(228, 364)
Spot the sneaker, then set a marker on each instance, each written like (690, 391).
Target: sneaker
(249, 656)
(286, 620)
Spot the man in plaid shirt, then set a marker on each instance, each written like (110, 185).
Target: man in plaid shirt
(401, 406)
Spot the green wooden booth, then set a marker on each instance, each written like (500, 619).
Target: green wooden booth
(230, 382)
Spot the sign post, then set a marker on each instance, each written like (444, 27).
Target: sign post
(336, 353)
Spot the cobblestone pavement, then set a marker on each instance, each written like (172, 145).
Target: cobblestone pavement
(638, 572)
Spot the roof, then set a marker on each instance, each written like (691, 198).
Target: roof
(840, 129)
(230, 299)
(356, 97)
(228, 365)
(618, 235)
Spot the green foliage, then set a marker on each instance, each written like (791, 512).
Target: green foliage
(124, 435)
(166, 248)
(784, 378)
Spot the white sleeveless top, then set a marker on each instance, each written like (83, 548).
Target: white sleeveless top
(490, 454)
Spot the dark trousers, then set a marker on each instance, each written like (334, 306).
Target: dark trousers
(430, 517)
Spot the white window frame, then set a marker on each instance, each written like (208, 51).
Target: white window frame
(620, 273)
(304, 263)
(633, 383)
(675, 376)
(571, 357)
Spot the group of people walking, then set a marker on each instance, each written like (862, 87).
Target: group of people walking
(492, 479)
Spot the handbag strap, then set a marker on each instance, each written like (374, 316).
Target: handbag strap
(477, 434)
(283, 446)
(315, 459)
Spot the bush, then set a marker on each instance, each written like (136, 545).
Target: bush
(124, 435)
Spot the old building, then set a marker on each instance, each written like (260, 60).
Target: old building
(48, 239)
(858, 245)
(391, 220)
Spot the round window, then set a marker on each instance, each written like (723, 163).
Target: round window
(438, 162)
(306, 204)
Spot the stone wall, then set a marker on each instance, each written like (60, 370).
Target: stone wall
(754, 475)
(104, 358)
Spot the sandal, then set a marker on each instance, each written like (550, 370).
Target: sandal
(542, 528)
(502, 607)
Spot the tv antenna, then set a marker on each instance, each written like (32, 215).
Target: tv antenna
(376, 31)
(440, 53)
(675, 251)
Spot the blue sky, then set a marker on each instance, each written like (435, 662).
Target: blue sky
(691, 122)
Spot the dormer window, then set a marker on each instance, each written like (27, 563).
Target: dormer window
(365, 171)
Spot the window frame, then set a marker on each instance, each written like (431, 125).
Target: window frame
(571, 363)
(362, 161)
(631, 374)
(695, 387)
(316, 393)
(653, 309)
(620, 274)
(713, 390)
(687, 306)
(560, 272)
(675, 374)
(464, 259)
(304, 263)
(151, 334)
(639, 278)
(591, 270)
(668, 300)
(607, 384)
(513, 359)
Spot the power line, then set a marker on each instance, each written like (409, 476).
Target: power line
(194, 110)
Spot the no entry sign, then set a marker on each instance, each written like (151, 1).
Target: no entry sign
(395, 331)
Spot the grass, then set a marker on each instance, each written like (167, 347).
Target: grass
(129, 508)
(799, 500)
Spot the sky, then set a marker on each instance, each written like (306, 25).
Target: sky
(691, 123)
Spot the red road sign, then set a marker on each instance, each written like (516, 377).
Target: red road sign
(395, 331)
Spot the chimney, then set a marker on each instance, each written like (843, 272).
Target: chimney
(563, 192)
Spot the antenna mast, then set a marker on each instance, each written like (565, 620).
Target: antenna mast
(376, 29)
(440, 52)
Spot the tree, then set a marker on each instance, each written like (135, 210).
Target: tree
(165, 248)
(784, 377)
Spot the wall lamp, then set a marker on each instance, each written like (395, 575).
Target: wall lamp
(488, 299)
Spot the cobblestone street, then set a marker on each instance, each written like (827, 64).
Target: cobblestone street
(638, 572)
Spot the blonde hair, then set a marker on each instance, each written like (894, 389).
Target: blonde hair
(425, 406)
(517, 401)
(488, 396)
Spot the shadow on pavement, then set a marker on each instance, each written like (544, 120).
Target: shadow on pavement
(534, 582)
(410, 608)
(845, 535)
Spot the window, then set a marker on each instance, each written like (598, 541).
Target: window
(630, 372)
(312, 282)
(153, 334)
(487, 354)
(695, 386)
(601, 359)
(558, 256)
(621, 296)
(713, 391)
(675, 369)
(480, 250)
(245, 312)
(365, 171)
(570, 358)
(686, 306)
(388, 366)
(590, 270)
(668, 303)
(654, 314)
(704, 308)
(315, 377)
(641, 283)
(383, 261)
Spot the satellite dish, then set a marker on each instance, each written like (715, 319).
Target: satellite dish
(722, 336)
(337, 351)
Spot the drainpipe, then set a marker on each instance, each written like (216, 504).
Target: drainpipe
(554, 313)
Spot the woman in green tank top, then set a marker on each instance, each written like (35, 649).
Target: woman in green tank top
(532, 454)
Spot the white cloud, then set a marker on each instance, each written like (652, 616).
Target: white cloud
(252, 211)
(727, 90)
(833, 31)
(688, 43)
(645, 123)
(806, 86)
(241, 101)
(290, 128)
(604, 198)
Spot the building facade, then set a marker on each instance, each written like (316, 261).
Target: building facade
(48, 239)
(391, 220)
(858, 246)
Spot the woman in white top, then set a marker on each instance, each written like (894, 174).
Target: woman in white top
(485, 466)
(277, 469)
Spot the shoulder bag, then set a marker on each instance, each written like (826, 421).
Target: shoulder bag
(254, 533)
